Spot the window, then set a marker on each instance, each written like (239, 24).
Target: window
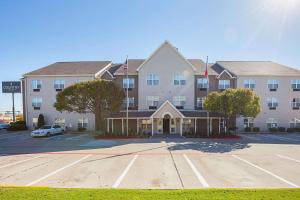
(222, 124)
(128, 83)
(152, 102)
(200, 103)
(152, 79)
(249, 84)
(272, 103)
(296, 103)
(224, 84)
(271, 123)
(130, 103)
(59, 85)
(295, 85)
(273, 85)
(36, 85)
(34, 122)
(37, 103)
(60, 121)
(179, 79)
(202, 83)
(82, 123)
(295, 123)
(248, 122)
(179, 101)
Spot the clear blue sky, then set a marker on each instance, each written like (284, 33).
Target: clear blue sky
(35, 33)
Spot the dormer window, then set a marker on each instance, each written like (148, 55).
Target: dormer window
(224, 84)
(36, 85)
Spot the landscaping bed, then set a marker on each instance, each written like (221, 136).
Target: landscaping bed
(26, 193)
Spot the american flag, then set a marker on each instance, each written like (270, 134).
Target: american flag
(206, 71)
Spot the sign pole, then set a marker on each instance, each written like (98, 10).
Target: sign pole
(13, 106)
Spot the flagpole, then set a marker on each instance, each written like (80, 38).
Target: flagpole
(207, 92)
(127, 101)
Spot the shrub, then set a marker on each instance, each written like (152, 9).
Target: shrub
(273, 129)
(17, 126)
(281, 129)
(290, 130)
(248, 129)
(41, 121)
(81, 129)
(256, 129)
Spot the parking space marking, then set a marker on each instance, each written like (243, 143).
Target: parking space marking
(121, 177)
(197, 173)
(57, 171)
(18, 162)
(280, 138)
(288, 158)
(251, 138)
(266, 171)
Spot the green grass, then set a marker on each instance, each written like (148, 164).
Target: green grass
(24, 193)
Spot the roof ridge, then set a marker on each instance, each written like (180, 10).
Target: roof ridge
(244, 61)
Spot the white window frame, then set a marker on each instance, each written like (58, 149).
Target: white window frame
(130, 82)
(224, 84)
(295, 103)
(83, 122)
(248, 122)
(202, 83)
(59, 84)
(272, 123)
(295, 82)
(200, 102)
(36, 84)
(37, 102)
(249, 83)
(295, 123)
(179, 101)
(273, 84)
(130, 102)
(273, 102)
(179, 79)
(152, 79)
(152, 101)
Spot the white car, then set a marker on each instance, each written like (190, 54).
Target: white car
(47, 131)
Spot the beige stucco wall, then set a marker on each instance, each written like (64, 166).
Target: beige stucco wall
(165, 63)
(48, 95)
(284, 94)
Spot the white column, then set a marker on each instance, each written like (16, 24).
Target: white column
(152, 125)
(219, 125)
(122, 126)
(107, 125)
(210, 125)
(137, 126)
(180, 126)
(112, 125)
(195, 124)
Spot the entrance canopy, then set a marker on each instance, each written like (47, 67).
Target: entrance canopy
(167, 108)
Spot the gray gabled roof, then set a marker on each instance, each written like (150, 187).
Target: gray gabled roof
(71, 68)
(258, 68)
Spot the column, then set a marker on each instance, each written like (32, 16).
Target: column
(137, 126)
(107, 125)
(122, 126)
(152, 126)
(112, 125)
(180, 126)
(219, 125)
(195, 125)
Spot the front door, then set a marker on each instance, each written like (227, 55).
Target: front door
(166, 125)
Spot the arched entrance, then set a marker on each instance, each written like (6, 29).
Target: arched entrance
(166, 124)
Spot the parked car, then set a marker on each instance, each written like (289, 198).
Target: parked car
(4, 126)
(47, 130)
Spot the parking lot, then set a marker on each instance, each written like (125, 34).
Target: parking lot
(255, 161)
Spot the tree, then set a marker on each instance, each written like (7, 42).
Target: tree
(99, 97)
(41, 121)
(233, 103)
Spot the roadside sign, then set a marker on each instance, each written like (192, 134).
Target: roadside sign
(11, 87)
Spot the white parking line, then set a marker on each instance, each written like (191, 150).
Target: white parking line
(121, 177)
(280, 138)
(197, 173)
(288, 158)
(58, 170)
(266, 171)
(18, 162)
(251, 138)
